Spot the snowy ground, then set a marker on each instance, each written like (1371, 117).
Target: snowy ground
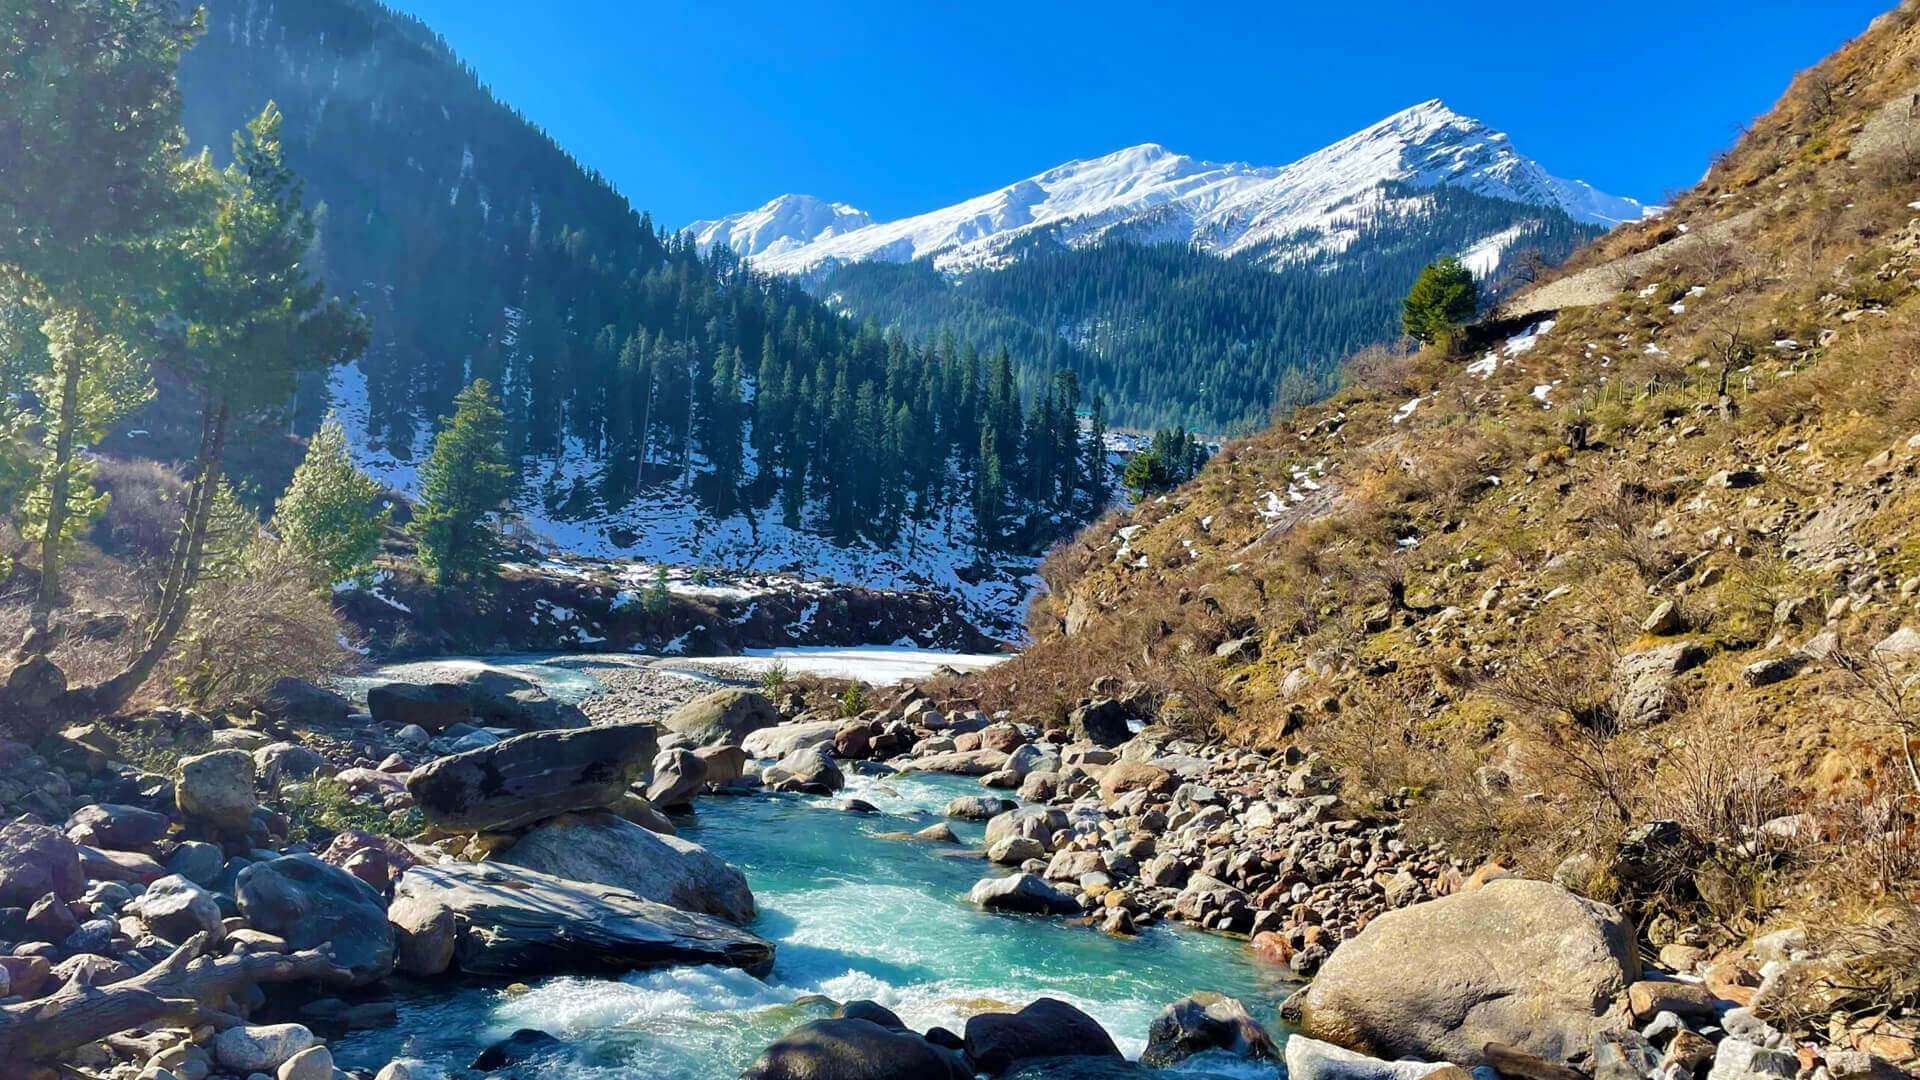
(878, 665)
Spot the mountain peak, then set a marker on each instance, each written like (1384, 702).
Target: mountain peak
(783, 223)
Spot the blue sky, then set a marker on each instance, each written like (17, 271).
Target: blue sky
(697, 109)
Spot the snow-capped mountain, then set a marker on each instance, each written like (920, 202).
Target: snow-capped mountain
(1282, 214)
(785, 224)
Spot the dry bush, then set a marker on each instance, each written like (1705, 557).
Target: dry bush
(261, 622)
(1377, 738)
(1872, 839)
(143, 517)
(1620, 516)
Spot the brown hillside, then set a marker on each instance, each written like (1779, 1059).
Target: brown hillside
(1472, 579)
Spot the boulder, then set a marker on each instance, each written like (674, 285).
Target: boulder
(1047, 1028)
(1027, 894)
(1103, 722)
(778, 742)
(678, 775)
(724, 717)
(174, 909)
(1037, 823)
(313, 1063)
(287, 761)
(432, 706)
(121, 828)
(424, 935)
(1014, 850)
(256, 1048)
(1203, 1022)
(979, 807)
(524, 779)
(807, 770)
(299, 702)
(609, 850)
(509, 920)
(1642, 681)
(853, 1048)
(36, 860)
(1738, 1059)
(1311, 1059)
(1123, 776)
(961, 762)
(637, 809)
(1523, 963)
(525, 1046)
(198, 862)
(310, 904)
(725, 764)
(217, 788)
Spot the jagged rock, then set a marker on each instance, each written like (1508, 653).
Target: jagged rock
(1204, 1022)
(608, 850)
(217, 788)
(1563, 962)
(1737, 1059)
(1312, 1059)
(175, 909)
(853, 1048)
(1665, 620)
(311, 904)
(1047, 1028)
(36, 860)
(512, 921)
(110, 825)
(1025, 893)
(678, 775)
(724, 717)
(807, 770)
(524, 779)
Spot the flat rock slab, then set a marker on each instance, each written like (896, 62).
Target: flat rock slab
(528, 778)
(512, 921)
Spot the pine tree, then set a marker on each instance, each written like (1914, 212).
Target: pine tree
(327, 514)
(1442, 299)
(465, 481)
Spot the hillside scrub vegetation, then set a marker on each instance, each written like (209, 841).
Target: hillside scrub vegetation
(1622, 594)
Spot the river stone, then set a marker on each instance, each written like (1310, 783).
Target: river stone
(807, 770)
(961, 762)
(432, 706)
(287, 761)
(36, 860)
(724, 717)
(527, 778)
(218, 788)
(1014, 850)
(778, 742)
(637, 809)
(979, 807)
(313, 1063)
(1037, 823)
(1311, 1059)
(1123, 776)
(311, 904)
(1203, 1022)
(1047, 1028)
(1523, 963)
(523, 1046)
(252, 1048)
(852, 1048)
(300, 702)
(608, 850)
(509, 920)
(175, 909)
(678, 775)
(1738, 1059)
(121, 828)
(1025, 893)
(424, 936)
(725, 764)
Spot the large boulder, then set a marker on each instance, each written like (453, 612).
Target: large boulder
(855, 1049)
(1123, 776)
(1037, 823)
(1203, 1022)
(36, 860)
(300, 702)
(174, 909)
(609, 850)
(509, 920)
(217, 788)
(1026, 894)
(310, 904)
(723, 717)
(432, 706)
(524, 779)
(480, 695)
(1102, 722)
(1048, 1028)
(960, 762)
(119, 828)
(808, 770)
(778, 742)
(678, 775)
(1523, 963)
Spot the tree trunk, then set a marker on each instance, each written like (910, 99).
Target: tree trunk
(181, 988)
(58, 493)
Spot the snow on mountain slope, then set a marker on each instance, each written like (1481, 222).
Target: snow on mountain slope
(786, 223)
(1150, 193)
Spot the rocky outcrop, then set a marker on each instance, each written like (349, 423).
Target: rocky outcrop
(1523, 963)
(527, 778)
(509, 920)
(723, 717)
(310, 904)
(1205, 1022)
(608, 850)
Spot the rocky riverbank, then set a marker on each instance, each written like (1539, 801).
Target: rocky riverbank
(187, 898)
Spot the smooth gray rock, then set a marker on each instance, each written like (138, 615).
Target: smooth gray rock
(1312, 1059)
(174, 909)
(1027, 894)
(509, 920)
(807, 770)
(609, 850)
(36, 860)
(311, 904)
(217, 788)
(678, 775)
(778, 742)
(116, 827)
(528, 778)
(724, 717)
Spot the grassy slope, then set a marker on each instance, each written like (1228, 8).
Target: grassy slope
(1579, 518)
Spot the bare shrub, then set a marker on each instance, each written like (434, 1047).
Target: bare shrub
(143, 516)
(260, 623)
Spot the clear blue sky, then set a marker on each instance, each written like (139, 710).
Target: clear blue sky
(701, 108)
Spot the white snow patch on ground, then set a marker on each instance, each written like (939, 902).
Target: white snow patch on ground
(878, 665)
